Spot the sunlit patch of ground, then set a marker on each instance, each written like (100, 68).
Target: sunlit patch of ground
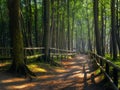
(13, 80)
(69, 57)
(4, 64)
(60, 70)
(36, 68)
(18, 87)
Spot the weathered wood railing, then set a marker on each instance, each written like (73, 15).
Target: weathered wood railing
(61, 53)
(7, 50)
(106, 66)
(38, 49)
(52, 51)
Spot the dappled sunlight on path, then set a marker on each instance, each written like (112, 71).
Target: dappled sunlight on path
(79, 73)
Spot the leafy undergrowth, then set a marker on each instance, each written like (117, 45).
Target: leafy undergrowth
(117, 61)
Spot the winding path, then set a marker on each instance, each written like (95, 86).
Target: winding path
(79, 73)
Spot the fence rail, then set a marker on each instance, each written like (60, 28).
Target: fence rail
(7, 50)
(105, 65)
(26, 48)
(52, 52)
(55, 51)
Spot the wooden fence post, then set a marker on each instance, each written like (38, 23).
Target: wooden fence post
(49, 53)
(101, 62)
(115, 76)
(52, 56)
(107, 68)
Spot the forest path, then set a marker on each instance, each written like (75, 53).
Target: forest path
(78, 73)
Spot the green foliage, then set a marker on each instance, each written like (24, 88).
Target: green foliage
(107, 56)
(117, 61)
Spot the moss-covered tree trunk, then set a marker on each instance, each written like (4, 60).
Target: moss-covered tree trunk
(18, 66)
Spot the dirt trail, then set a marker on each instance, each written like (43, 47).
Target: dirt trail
(77, 74)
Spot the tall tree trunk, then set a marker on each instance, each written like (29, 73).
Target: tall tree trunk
(18, 65)
(68, 21)
(46, 29)
(88, 25)
(96, 27)
(103, 30)
(113, 30)
(117, 26)
(53, 30)
(30, 23)
(58, 24)
(36, 24)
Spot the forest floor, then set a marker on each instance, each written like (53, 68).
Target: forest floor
(78, 73)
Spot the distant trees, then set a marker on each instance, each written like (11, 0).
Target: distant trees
(107, 34)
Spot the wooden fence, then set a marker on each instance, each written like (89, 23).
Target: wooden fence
(52, 52)
(6, 52)
(108, 68)
(62, 53)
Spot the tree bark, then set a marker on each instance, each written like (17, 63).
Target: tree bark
(46, 30)
(68, 21)
(96, 27)
(103, 30)
(113, 30)
(18, 65)
(36, 24)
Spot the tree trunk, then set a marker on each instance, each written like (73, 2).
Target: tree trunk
(88, 25)
(46, 30)
(96, 28)
(103, 31)
(113, 30)
(68, 21)
(18, 65)
(36, 25)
